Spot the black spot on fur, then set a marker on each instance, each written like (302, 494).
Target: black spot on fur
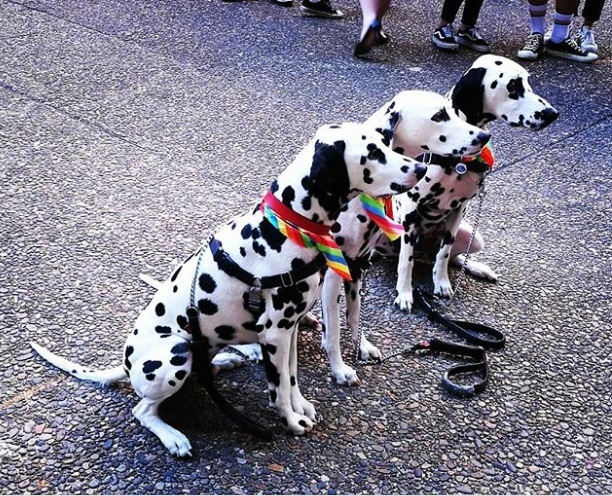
(288, 195)
(467, 94)
(272, 236)
(292, 380)
(178, 360)
(306, 203)
(246, 232)
(259, 249)
(150, 366)
(285, 296)
(207, 307)
(271, 371)
(180, 374)
(271, 349)
(225, 332)
(375, 153)
(180, 348)
(182, 321)
(515, 88)
(160, 309)
(150, 377)
(273, 400)
(163, 329)
(242, 251)
(367, 178)
(494, 84)
(207, 283)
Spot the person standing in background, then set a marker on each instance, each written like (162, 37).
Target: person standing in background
(468, 35)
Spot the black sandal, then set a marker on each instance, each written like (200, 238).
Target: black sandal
(373, 36)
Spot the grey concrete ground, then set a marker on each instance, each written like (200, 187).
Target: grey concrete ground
(129, 129)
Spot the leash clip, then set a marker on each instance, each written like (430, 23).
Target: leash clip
(255, 302)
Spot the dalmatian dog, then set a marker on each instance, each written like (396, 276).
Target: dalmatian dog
(493, 88)
(426, 122)
(339, 163)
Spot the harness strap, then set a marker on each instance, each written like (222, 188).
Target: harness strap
(202, 367)
(232, 269)
(451, 162)
(485, 337)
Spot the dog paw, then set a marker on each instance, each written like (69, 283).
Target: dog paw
(367, 351)
(302, 406)
(309, 320)
(345, 376)
(175, 442)
(443, 288)
(481, 270)
(297, 424)
(404, 302)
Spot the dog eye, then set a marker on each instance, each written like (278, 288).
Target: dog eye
(441, 116)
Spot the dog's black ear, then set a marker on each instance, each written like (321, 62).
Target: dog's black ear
(328, 181)
(468, 93)
(388, 128)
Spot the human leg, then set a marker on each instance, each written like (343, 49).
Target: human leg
(534, 44)
(371, 32)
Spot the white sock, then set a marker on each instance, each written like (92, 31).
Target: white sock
(537, 15)
(561, 27)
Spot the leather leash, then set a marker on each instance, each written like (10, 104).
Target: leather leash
(483, 336)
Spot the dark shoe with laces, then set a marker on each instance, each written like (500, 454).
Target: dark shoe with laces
(443, 38)
(284, 3)
(569, 49)
(534, 46)
(322, 8)
(471, 38)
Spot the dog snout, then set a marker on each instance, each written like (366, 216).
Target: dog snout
(482, 138)
(549, 115)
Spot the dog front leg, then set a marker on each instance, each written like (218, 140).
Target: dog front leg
(441, 280)
(300, 404)
(352, 290)
(404, 272)
(475, 242)
(276, 347)
(330, 340)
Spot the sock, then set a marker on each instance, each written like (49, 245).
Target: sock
(537, 15)
(561, 27)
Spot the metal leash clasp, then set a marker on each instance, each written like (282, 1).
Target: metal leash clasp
(255, 301)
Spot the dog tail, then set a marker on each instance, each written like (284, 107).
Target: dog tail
(104, 377)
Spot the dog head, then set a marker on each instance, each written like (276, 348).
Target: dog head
(498, 88)
(422, 121)
(342, 161)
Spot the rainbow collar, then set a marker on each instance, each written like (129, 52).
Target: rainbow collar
(305, 232)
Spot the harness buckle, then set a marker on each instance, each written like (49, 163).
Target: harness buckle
(289, 277)
(255, 302)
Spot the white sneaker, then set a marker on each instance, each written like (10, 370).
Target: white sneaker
(587, 40)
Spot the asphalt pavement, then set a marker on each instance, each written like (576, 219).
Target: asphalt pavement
(128, 130)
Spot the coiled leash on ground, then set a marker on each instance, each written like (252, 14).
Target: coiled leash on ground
(483, 336)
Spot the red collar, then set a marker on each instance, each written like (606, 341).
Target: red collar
(294, 218)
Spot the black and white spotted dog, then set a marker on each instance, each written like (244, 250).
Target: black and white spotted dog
(426, 122)
(338, 164)
(493, 88)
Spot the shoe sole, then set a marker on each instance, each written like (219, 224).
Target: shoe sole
(317, 13)
(571, 56)
(444, 45)
(284, 3)
(528, 55)
(473, 46)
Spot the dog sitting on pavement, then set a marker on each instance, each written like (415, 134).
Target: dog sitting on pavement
(280, 248)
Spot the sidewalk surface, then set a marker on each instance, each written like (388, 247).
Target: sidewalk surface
(128, 130)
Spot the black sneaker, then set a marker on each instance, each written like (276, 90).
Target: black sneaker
(569, 49)
(284, 3)
(322, 8)
(443, 38)
(472, 39)
(534, 46)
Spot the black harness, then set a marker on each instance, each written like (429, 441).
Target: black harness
(452, 163)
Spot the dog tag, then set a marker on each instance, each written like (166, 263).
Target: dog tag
(255, 302)
(460, 168)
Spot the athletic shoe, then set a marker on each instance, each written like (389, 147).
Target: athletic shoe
(585, 39)
(322, 8)
(443, 38)
(569, 49)
(472, 39)
(284, 3)
(534, 46)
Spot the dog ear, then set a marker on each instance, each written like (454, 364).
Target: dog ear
(328, 181)
(468, 93)
(388, 128)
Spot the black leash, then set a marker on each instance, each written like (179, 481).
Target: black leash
(202, 367)
(483, 336)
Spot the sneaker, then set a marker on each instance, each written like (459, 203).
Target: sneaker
(284, 3)
(569, 49)
(585, 39)
(443, 38)
(534, 46)
(472, 39)
(322, 8)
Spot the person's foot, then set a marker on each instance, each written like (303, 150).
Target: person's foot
(585, 39)
(373, 36)
(534, 46)
(471, 38)
(322, 8)
(443, 38)
(569, 49)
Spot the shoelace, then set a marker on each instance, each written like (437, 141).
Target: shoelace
(533, 42)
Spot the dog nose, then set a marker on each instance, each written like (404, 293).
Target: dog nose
(482, 138)
(549, 115)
